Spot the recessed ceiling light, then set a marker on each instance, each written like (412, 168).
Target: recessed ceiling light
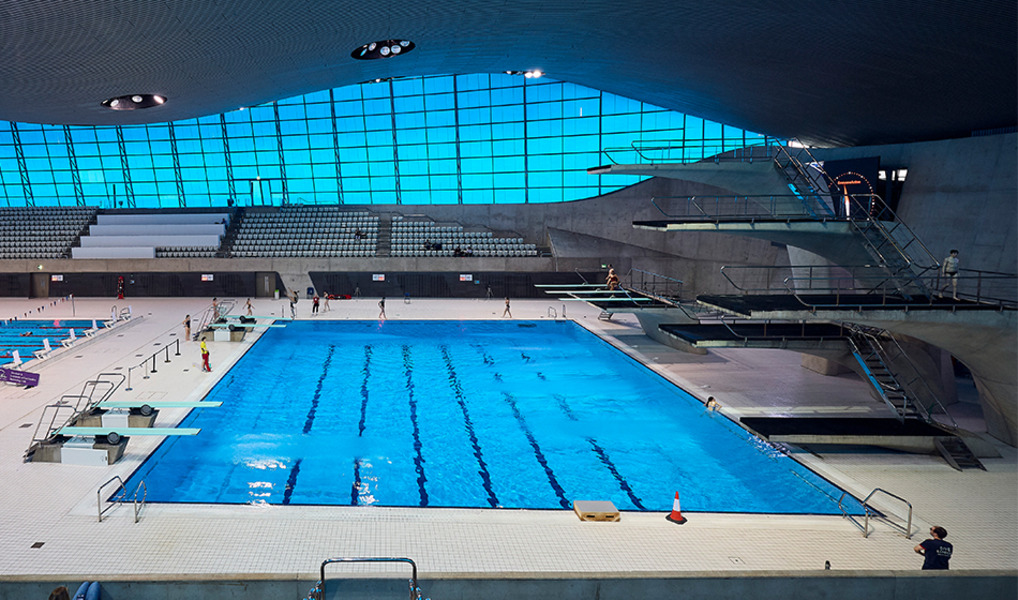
(133, 101)
(382, 49)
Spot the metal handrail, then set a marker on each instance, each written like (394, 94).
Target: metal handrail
(871, 280)
(868, 510)
(211, 313)
(729, 321)
(741, 206)
(57, 408)
(114, 500)
(119, 495)
(874, 334)
(144, 496)
(318, 592)
(655, 279)
(692, 151)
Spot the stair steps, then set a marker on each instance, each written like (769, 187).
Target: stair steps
(957, 453)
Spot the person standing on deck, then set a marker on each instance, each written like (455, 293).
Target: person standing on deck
(506, 312)
(936, 552)
(205, 366)
(381, 308)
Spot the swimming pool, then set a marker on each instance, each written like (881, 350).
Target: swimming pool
(494, 414)
(26, 336)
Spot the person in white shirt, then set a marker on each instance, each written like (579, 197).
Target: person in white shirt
(949, 270)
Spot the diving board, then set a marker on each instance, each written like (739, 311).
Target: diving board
(158, 404)
(570, 285)
(623, 299)
(602, 290)
(128, 431)
(244, 325)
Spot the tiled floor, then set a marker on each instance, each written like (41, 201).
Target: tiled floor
(55, 504)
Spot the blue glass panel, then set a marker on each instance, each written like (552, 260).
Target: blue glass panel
(478, 196)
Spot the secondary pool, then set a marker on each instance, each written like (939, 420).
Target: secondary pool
(493, 414)
(26, 336)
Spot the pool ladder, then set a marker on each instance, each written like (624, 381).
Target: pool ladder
(869, 511)
(318, 592)
(119, 495)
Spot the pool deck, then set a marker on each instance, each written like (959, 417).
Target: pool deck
(56, 505)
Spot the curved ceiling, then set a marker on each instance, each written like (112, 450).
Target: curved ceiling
(829, 73)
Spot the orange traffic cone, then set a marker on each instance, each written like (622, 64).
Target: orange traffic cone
(676, 516)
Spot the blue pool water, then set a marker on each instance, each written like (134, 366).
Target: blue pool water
(12, 335)
(466, 414)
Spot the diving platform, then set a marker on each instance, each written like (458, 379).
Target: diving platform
(791, 306)
(912, 435)
(789, 336)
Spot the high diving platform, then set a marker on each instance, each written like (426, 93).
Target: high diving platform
(911, 435)
(789, 336)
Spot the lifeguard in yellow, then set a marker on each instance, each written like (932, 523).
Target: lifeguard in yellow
(205, 358)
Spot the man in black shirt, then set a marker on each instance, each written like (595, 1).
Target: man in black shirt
(936, 551)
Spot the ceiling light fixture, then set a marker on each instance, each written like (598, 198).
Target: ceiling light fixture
(382, 49)
(531, 74)
(133, 101)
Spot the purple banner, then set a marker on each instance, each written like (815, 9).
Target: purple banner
(19, 377)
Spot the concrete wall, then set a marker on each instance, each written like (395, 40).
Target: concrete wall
(958, 194)
(786, 585)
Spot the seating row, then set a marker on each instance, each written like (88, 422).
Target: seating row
(303, 253)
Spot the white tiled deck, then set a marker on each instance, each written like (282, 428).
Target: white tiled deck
(56, 504)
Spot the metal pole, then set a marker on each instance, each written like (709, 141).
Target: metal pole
(129, 388)
(73, 311)
(154, 364)
(167, 354)
(146, 369)
(178, 348)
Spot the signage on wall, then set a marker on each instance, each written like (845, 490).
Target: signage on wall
(466, 277)
(56, 277)
(378, 277)
(208, 277)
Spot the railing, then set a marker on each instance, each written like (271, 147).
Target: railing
(318, 592)
(54, 411)
(980, 290)
(660, 287)
(118, 497)
(896, 365)
(743, 208)
(870, 511)
(731, 324)
(691, 151)
(165, 350)
(212, 313)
